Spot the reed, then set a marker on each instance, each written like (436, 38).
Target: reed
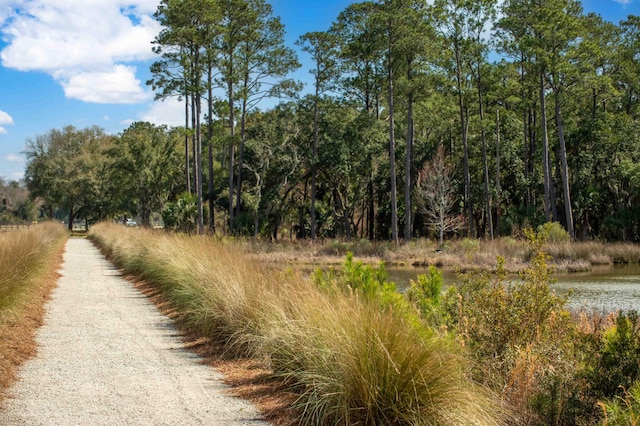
(348, 360)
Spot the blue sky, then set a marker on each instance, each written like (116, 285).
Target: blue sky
(85, 63)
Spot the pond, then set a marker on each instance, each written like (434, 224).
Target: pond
(604, 289)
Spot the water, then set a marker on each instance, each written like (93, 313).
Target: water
(604, 289)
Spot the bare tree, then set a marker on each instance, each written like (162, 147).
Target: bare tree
(437, 195)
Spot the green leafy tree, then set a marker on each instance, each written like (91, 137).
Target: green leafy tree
(146, 166)
(65, 169)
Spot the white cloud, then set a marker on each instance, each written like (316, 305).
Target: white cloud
(5, 119)
(14, 158)
(169, 112)
(623, 2)
(80, 43)
(115, 86)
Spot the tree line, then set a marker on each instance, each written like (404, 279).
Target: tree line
(477, 118)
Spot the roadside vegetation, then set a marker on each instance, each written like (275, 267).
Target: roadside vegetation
(353, 350)
(353, 353)
(28, 261)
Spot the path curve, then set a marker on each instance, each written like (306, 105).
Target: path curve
(106, 356)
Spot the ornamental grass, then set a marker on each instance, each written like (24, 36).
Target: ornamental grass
(28, 262)
(349, 360)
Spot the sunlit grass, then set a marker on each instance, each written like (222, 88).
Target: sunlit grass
(28, 261)
(23, 255)
(349, 360)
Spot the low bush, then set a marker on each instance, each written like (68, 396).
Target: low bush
(623, 410)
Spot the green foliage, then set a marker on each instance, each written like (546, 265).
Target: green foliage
(553, 232)
(68, 168)
(426, 293)
(146, 166)
(623, 410)
(180, 215)
(616, 364)
(521, 335)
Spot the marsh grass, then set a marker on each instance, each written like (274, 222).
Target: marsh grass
(463, 254)
(348, 360)
(28, 261)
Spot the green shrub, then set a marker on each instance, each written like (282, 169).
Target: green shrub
(180, 214)
(616, 365)
(521, 335)
(553, 232)
(426, 293)
(623, 410)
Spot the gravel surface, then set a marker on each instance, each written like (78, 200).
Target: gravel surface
(106, 356)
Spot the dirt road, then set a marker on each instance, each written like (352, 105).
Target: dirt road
(107, 357)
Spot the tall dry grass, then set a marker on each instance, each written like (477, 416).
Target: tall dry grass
(28, 261)
(348, 360)
(23, 255)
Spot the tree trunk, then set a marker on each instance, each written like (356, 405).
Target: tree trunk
(392, 149)
(546, 167)
(243, 122)
(232, 120)
(314, 161)
(212, 223)
(408, 210)
(371, 214)
(487, 196)
(198, 158)
(72, 217)
(526, 114)
(565, 168)
(498, 183)
(187, 168)
(408, 225)
(465, 145)
(194, 183)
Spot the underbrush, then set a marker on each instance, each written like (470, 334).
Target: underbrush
(352, 349)
(550, 366)
(28, 260)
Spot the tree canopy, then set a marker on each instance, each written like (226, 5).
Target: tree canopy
(532, 104)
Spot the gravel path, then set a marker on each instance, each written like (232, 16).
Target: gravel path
(107, 357)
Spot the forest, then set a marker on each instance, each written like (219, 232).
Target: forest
(422, 119)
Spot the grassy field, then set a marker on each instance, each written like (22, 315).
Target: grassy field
(29, 259)
(349, 358)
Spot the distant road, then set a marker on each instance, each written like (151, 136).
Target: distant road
(107, 357)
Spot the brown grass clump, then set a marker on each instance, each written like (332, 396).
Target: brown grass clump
(29, 260)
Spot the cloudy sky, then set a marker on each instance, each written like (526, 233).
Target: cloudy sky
(86, 62)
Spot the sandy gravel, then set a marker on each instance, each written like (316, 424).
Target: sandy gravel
(107, 357)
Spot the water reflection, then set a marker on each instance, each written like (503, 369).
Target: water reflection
(604, 289)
